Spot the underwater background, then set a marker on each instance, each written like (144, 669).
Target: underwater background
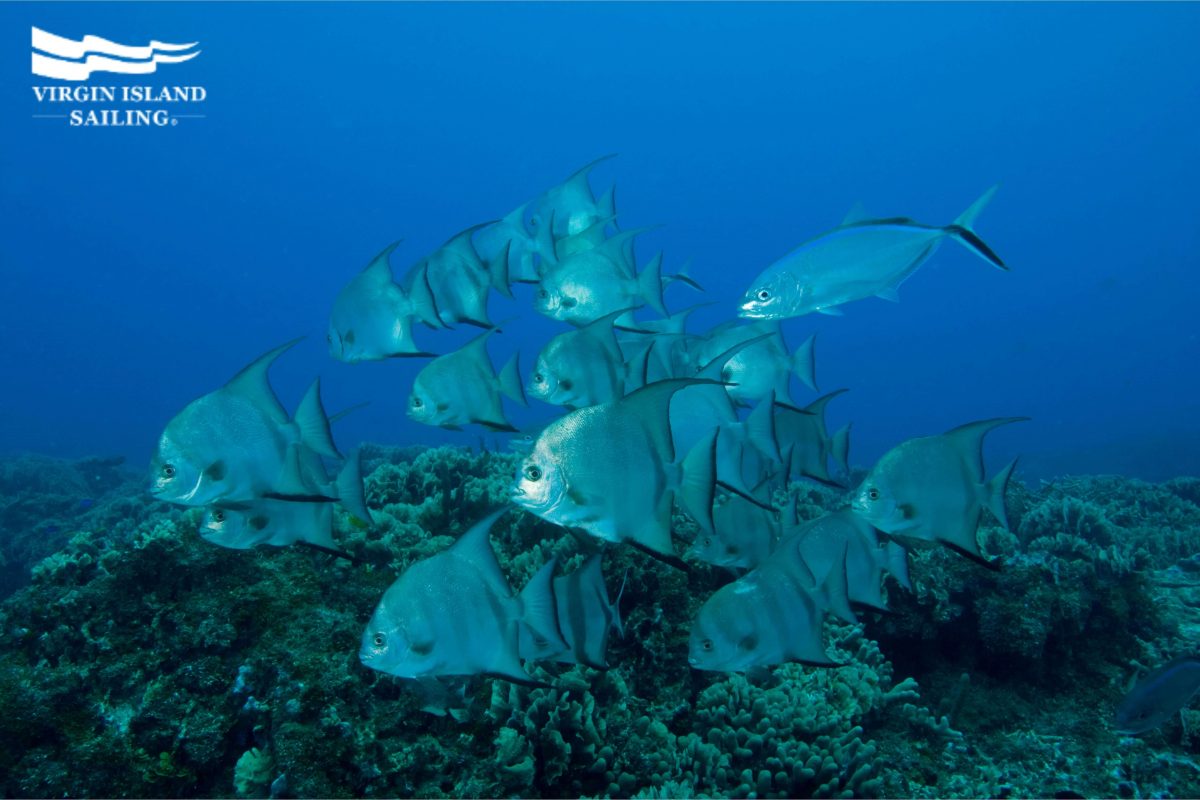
(144, 266)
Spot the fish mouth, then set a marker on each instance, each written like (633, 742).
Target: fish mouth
(750, 310)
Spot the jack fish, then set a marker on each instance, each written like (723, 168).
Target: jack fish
(861, 258)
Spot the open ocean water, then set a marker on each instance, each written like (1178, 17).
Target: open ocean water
(186, 186)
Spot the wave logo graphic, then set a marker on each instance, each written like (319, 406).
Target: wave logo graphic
(69, 60)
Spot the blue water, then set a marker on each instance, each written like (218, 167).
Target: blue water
(144, 266)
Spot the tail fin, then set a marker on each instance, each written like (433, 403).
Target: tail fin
(650, 285)
(606, 206)
(684, 276)
(962, 229)
(699, 481)
(498, 270)
(350, 488)
(804, 365)
(834, 591)
(421, 302)
(510, 381)
(539, 608)
(839, 446)
(543, 242)
(897, 563)
(314, 424)
(760, 429)
(994, 491)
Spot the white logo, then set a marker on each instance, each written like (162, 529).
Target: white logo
(69, 60)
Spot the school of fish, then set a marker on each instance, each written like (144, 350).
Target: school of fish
(653, 418)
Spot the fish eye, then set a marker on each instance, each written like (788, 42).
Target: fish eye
(417, 402)
(533, 473)
(872, 493)
(707, 542)
(168, 471)
(707, 645)
(543, 294)
(218, 516)
(764, 295)
(379, 640)
(537, 378)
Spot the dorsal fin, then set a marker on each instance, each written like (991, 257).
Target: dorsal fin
(516, 217)
(476, 349)
(580, 176)
(379, 269)
(475, 547)
(712, 370)
(313, 423)
(651, 404)
(461, 242)
(969, 441)
(613, 248)
(817, 407)
(252, 384)
(601, 331)
(857, 213)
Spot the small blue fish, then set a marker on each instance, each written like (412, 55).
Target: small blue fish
(1159, 696)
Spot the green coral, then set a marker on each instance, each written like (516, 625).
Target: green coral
(252, 773)
(141, 661)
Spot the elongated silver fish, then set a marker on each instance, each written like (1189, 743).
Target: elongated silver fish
(932, 489)
(233, 444)
(462, 387)
(861, 258)
(581, 367)
(372, 316)
(455, 614)
(610, 470)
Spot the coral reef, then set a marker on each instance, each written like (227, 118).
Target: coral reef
(141, 661)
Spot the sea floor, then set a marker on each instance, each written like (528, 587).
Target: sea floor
(138, 660)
